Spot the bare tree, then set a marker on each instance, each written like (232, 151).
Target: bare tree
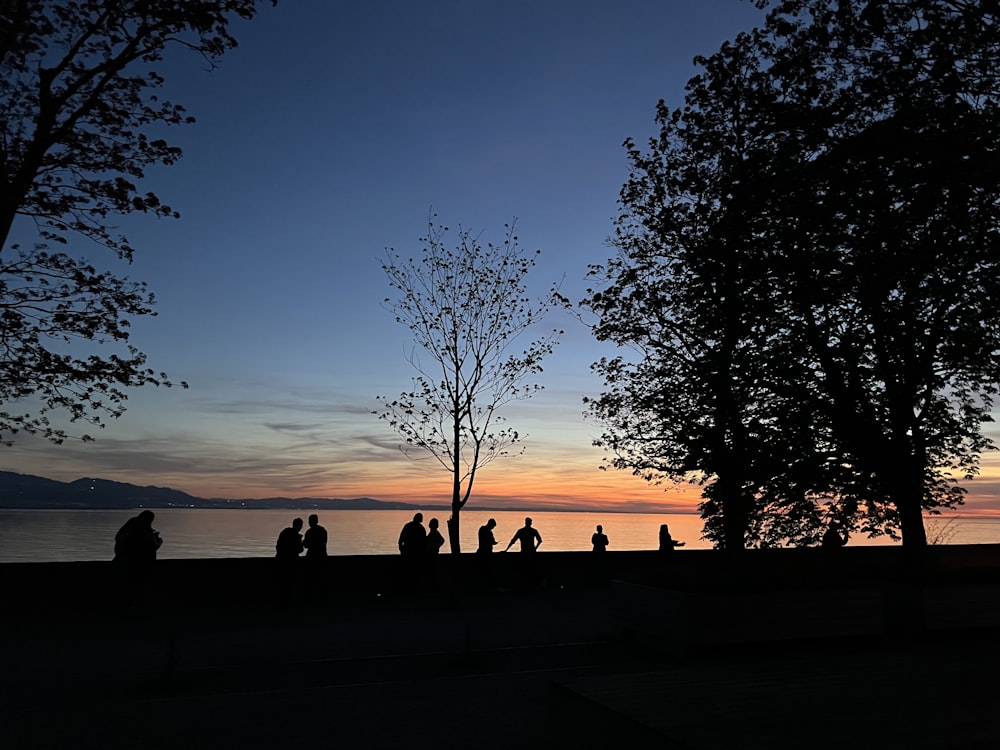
(467, 307)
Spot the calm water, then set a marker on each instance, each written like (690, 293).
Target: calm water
(66, 535)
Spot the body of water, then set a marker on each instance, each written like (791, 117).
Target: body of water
(68, 535)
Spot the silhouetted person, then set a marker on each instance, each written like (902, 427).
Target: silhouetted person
(413, 548)
(486, 539)
(287, 551)
(526, 565)
(667, 542)
(413, 537)
(315, 578)
(528, 536)
(832, 538)
(484, 555)
(434, 539)
(434, 543)
(289, 544)
(599, 539)
(315, 538)
(137, 541)
(136, 544)
(599, 565)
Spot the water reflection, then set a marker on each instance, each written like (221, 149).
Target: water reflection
(68, 535)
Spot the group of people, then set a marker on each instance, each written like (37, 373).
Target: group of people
(414, 540)
(291, 542)
(290, 586)
(530, 540)
(137, 542)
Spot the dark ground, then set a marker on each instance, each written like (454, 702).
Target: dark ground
(540, 669)
(378, 674)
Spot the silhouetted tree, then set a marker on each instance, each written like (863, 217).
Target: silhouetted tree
(80, 123)
(818, 226)
(708, 394)
(883, 210)
(467, 308)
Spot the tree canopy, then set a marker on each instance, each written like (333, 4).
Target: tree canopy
(807, 271)
(80, 122)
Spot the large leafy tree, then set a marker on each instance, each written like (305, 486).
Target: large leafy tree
(80, 122)
(891, 243)
(469, 310)
(706, 393)
(858, 163)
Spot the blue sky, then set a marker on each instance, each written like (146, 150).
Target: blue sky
(328, 135)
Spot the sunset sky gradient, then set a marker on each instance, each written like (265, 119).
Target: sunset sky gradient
(327, 136)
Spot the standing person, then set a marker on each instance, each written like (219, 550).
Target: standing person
(136, 544)
(413, 537)
(413, 548)
(599, 563)
(529, 537)
(667, 542)
(314, 542)
(315, 538)
(484, 555)
(434, 539)
(434, 543)
(526, 565)
(486, 539)
(287, 551)
(599, 540)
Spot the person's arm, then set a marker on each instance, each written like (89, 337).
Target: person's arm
(510, 543)
(538, 542)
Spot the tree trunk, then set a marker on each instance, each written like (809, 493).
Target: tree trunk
(734, 518)
(8, 210)
(906, 498)
(911, 519)
(906, 489)
(454, 528)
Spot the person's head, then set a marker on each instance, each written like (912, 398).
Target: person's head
(664, 529)
(600, 529)
(313, 519)
(297, 524)
(419, 517)
(527, 522)
(491, 523)
(146, 517)
(433, 523)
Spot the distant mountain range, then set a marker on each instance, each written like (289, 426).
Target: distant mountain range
(30, 492)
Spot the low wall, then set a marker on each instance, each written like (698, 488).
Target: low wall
(250, 583)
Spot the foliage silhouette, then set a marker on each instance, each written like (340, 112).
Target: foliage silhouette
(80, 125)
(808, 270)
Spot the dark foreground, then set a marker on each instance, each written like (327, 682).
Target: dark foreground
(545, 668)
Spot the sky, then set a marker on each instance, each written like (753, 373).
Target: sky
(330, 134)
